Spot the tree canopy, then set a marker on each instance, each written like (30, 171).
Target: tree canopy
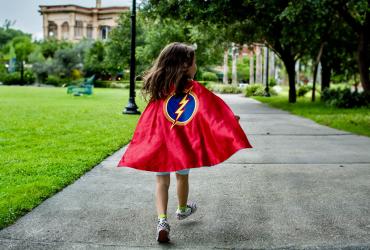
(293, 29)
(154, 33)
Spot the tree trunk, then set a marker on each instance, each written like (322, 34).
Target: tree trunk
(290, 68)
(316, 65)
(22, 73)
(362, 30)
(363, 60)
(314, 82)
(325, 75)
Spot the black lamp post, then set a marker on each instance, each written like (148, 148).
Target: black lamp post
(267, 93)
(131, 107)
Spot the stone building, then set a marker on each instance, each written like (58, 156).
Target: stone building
(73, 22)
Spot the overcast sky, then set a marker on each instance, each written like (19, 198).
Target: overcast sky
(28, 19)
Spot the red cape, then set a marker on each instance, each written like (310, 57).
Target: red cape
(189, 131)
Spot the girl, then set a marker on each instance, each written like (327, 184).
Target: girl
(184, 126)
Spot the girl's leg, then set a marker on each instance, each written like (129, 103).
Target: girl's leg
(182, 189)
(163, 183)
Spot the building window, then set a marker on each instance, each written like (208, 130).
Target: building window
(65, 31)
(78, 29)
(104, 31)
(52, 29)
(89, 31)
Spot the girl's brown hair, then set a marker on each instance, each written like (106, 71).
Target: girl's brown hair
(171, 66)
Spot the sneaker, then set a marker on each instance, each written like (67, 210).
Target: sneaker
(163, 231)
(191, 208)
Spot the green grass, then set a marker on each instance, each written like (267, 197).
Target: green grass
(356, 120)
(48, 139)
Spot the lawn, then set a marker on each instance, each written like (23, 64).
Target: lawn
(48, 139)
(356, 120)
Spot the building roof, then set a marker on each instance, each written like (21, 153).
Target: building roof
(80, 9)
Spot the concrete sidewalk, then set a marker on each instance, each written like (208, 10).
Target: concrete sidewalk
(301, 186)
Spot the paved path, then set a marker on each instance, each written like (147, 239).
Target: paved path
(303, 185)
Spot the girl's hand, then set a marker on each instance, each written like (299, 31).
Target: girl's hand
(237, 117)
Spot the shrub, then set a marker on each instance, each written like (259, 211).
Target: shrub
(254, 90)
(272, 82)
(126, 84)
(3, 72)
(345, 98)
(118, 85)
(209, 76)
(2, 76)
(225, 88)
(11, 78)
(258, 89)
(302, 90)
(53, 80)
(15, 78)
(102, 84)
(272, 92)
(3, 69)
(29, 77)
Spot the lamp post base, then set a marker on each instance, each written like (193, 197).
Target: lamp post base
(131, 107)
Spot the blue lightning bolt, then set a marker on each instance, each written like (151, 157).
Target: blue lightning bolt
(182, 104)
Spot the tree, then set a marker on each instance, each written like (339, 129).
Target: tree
(356, 13)
(322, 27)
(338, 57)
(94, 61)
(118, 45)
(336, 37)
(67, 59)
(292, 29)
(338, 50)
(23, 47)
(39, 65)
(278, 24)
(161, 31)
(153, 33)
(7, 33)
(50, 46)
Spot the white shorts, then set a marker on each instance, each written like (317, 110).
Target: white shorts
(180, 172)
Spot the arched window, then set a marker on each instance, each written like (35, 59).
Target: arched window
(104, 31)
(65, 31)
(52, 29)
(78, 29)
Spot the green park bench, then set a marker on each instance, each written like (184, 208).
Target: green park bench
(86, 88)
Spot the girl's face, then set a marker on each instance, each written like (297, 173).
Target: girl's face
(193, 69)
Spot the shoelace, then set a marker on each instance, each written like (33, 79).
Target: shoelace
(164, 224)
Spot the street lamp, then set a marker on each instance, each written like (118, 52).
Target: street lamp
(131, 107)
